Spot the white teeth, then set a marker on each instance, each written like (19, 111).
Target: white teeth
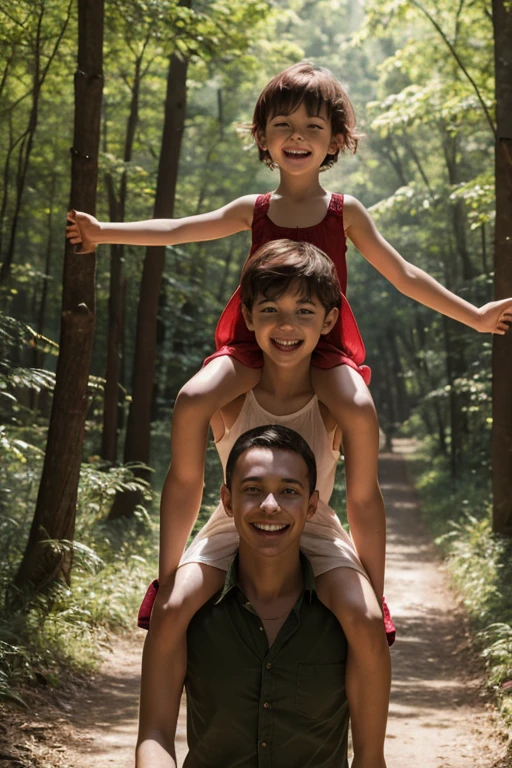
(285, 343)
(299, 152)
(269, 526)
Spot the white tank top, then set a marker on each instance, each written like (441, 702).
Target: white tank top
(307, 422)
(324, 539)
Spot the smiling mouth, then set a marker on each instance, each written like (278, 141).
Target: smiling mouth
(297, 153)
(273, 529)
(286, 346)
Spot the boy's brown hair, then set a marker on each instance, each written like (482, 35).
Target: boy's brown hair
(315, 87)
(279, 264)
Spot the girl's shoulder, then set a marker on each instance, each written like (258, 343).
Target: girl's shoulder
(353, 211)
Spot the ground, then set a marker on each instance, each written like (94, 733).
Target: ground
(440, 715)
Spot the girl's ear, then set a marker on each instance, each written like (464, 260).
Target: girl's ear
(247, 317)
(337, 143)
(330, 320)
(261, 141)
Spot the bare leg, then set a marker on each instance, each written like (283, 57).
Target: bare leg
(214, 386)
(343, 391)
(349, 595)
(164, 660)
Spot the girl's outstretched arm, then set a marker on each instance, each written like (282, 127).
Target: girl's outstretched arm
(414, 282)
(234, 217)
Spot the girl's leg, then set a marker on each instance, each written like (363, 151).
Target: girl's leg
(349, 595)
(214, 386)
(343, 391)
(164, 660)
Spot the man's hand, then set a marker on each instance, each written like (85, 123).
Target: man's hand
(495, 317)
(83, 228)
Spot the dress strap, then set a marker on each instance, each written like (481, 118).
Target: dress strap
(336, 204)
(261, 207)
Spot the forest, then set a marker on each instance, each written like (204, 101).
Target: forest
(136, 109)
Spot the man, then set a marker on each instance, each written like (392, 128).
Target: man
(266, 660)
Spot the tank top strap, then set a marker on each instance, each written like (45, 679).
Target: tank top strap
(261, 207)
(336, 205)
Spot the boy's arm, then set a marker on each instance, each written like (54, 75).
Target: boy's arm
(233, 217)
(415, 282)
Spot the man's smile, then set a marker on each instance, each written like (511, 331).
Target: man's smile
(270, 528)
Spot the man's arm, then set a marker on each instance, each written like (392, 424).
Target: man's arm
(86, 231)
(415, 282)
(162, 679)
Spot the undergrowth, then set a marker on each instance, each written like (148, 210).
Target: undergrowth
(458, 514)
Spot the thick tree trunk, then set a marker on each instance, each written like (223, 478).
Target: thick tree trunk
(54, 518)
(138, 430)
(502, 345)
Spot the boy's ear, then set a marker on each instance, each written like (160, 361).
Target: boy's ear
(330, 320)
(225, 495)
(312, 505)
(247, 317)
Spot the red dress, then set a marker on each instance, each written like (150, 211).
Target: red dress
(343, 345)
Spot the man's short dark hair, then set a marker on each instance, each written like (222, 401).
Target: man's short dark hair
(272, 436)
(281, 264)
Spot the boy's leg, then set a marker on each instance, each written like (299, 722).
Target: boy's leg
(214, 386)
(164, 660)
(343, 391)
(349, 595)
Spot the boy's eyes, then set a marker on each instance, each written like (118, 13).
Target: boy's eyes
(284, 124)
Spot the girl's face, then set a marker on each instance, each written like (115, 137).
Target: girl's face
(299, 142)
(288, 328)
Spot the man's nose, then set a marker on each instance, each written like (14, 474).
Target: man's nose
(270, 504)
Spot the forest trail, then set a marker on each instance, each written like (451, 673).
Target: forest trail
(438, 717)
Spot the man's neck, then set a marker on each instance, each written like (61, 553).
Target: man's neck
(266, 579)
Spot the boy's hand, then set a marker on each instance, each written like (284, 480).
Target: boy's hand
(83, 228)
(495, 317)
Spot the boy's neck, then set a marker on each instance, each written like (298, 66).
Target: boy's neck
(286, 382)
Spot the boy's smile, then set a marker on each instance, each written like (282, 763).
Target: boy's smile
(288, 327)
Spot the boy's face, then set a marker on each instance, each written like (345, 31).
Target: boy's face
(269, 500)
(288, 328)
(299, 142)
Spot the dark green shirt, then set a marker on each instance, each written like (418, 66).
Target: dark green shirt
(251, 706)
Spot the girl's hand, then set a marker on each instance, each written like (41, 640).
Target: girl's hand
(495, 317)
(83, 228)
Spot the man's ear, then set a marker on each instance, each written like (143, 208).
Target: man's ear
(247, 317)
(312, 505)
(330, 320)
(225, 495)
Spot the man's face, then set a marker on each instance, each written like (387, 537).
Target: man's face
(288, 327)
(269, 499)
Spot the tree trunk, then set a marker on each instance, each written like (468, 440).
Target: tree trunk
(54, 518)
(117, 208)
(138, 431)
(502, 345)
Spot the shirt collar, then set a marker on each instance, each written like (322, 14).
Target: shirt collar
(232, 578)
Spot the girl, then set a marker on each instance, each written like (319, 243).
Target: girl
(290, 292)
(302, 120)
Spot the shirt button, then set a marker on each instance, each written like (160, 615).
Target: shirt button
(269, 665)
(266, 705)
(263, 743)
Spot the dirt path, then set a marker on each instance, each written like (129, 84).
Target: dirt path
(438, 718)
